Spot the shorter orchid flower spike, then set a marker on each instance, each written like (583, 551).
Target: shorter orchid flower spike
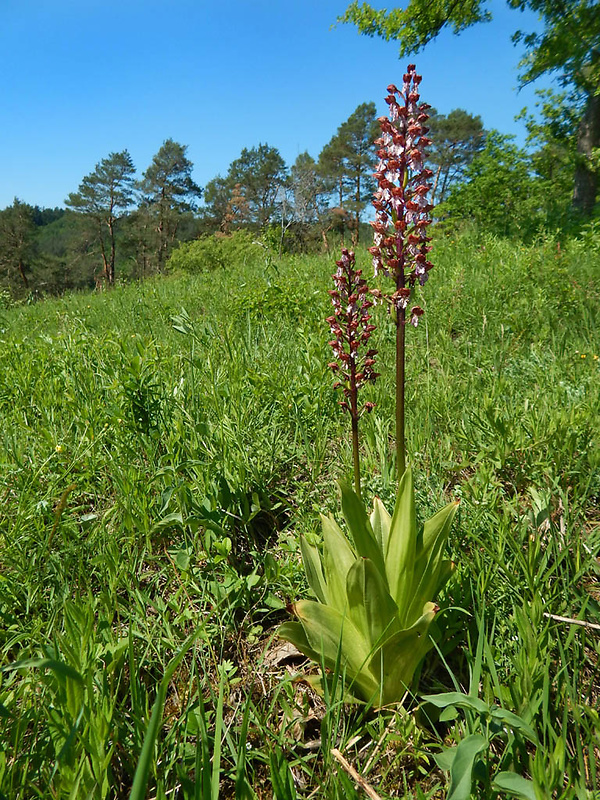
(351, 328)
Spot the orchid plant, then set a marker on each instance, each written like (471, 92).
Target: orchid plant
(374, 590)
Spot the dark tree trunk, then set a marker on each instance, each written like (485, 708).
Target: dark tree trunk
(105, 261)
(586, 178)
(23, 275)
(111, 264)
(356, 232)
(435, 184)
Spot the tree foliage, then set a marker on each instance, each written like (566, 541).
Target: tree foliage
(168, 191)
(499, 194)
(261, 172)
(17, 230)
(308, 189)
(568, 46)
(254, 181)
(103, 196)
(347, 161)
(554, 158)
(456, 139)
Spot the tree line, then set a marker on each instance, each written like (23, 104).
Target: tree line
(119, 225)
(566, 46)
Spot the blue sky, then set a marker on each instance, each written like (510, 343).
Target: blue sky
(83, 78)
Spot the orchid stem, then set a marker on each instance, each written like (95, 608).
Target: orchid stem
(400, 384)
(356, 456)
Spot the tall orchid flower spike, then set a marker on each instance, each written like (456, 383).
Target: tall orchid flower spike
(400, 241)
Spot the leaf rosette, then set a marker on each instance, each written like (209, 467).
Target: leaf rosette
(374, 594)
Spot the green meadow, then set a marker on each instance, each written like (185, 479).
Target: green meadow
(164, 444)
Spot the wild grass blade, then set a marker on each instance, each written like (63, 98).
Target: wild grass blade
(142, 772)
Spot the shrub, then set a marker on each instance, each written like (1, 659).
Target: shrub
(216, 251)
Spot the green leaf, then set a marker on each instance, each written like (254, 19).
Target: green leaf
(457, 699)
(438, 525)
(140, 779)
(370, 606)
(216, 757)
(174, 520)
(338, 557)
(445, 759)
(461, 771)
(429, 564)
(331, 634)
(182, 559)
(380, 523)
(394, 663)
(400, 551)
(515, 722)
(313, 568)
(448, 714)
(514, 785)
(58, 667)
(359, 527)
(294, 632)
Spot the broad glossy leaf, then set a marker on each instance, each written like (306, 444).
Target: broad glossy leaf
(445, 759)
(515, 722)
(457, 699)
(316, 682)
(370, 606)
(461, 771)
(428, 566)
(359, 527)
(514, 785)
(446, 570)
(313, 568)
(330, 634)
(380, 523)
(294, 632)
(394, 663)
(401, 547)
(338, 557)
(440, 522)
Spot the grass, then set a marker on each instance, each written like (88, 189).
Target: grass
(162, 446)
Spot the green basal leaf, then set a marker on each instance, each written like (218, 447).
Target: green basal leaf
(338, 557)
(461, 771)
(446, 570)
(428, 566)
(445, 759)
(401, 547)
(374, 612)
(380, 523)
(439, 523)
(294, 632)
(514, 785)
(331, 634)
(316, 683)
(457, 699)
(313, 568)
(394, 663)
(370, 606)
(516, 723)
(359, 527)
